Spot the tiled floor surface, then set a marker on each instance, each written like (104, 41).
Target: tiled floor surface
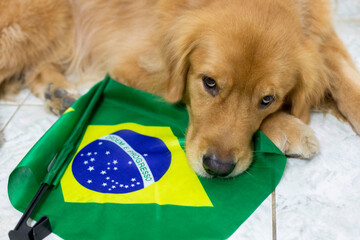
(317, 199)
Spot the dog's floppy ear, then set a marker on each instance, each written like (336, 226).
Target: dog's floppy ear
(311, 86)
(178, 43)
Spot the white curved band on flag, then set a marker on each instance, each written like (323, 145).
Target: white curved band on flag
(137, 158)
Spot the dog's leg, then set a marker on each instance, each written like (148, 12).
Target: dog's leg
(48, 83)
(34, 34)
(290, 135)
(344, 80)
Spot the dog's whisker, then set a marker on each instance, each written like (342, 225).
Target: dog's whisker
(247, 172)
(259, 167)
(257, 153)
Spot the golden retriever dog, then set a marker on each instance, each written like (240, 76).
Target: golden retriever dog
(238, 65)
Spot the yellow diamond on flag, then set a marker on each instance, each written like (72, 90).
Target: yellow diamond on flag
(130, 163)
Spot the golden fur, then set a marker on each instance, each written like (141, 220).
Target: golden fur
(252, 49)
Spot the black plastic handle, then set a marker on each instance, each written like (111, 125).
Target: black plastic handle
(40, 230)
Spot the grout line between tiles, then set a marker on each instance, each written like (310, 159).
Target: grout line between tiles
(33, 104)
(17, 109)
(23, 102)
(9, 104)
(273, 211)
(11, 117)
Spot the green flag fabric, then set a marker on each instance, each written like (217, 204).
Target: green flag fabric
(117, 167)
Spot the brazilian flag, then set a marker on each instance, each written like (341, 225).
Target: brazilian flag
(116, 165)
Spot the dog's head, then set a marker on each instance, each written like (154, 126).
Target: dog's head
(232, 68)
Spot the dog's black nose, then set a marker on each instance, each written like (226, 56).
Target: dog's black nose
(215, 167)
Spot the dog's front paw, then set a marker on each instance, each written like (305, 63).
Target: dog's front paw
(305, 145)
(59, 99)
(291, 136)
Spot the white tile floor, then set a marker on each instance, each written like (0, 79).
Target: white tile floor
(317, 199)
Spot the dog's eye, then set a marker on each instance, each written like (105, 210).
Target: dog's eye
(210, 85)
(266, 101)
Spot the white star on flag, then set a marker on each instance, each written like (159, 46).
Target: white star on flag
(115, 162)
(92, 159)
(132, 185)
(100, 143)
(130, 162)
(121, 185)
(89, 181)
(89, 154)
(103, 172)
(126, 186)
(133, 179)
(104, 184)
(91, 168)
(107, 178)
(86, 162)
(107, 152)
(145, 155)
(113, 186)
(115, 168)
(95, 153)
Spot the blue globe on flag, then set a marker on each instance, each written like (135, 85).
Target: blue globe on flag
(122, 162)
